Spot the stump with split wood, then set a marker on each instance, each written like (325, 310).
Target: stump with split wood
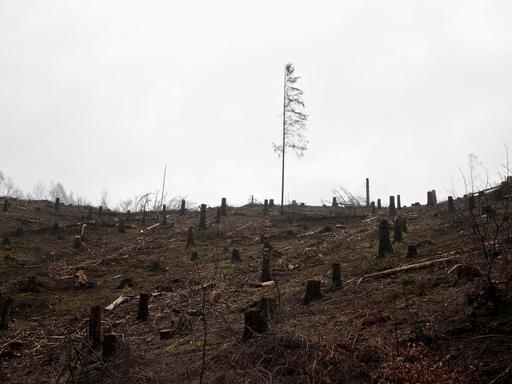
(190, 238)
(336, 275)
(202, 217)
(143, 312)
(254, 323)
(384, 239)
(95, 325)
(313, 291)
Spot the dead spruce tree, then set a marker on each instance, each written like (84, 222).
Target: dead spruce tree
(294, 122)
(384, 239)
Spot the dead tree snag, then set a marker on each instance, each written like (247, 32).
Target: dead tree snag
(392, 208)
(334, 202)
(373, 206)
(271, 203)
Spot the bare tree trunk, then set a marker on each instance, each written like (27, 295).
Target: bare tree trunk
(284, 143)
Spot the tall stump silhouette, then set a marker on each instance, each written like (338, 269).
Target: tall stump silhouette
(398, 202)
(265, 207)
(313, 291)
(190, 238)
(392, 208)
(373, 206)
(336, 274)
(223, 207)
(398, 236)
(266, 272)
(384, 239)
(95, 326)
(379, 204)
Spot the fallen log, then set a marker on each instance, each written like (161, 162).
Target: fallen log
(153, 226)
(117, 302)
(409, 267)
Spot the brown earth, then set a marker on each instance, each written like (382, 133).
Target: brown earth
(418, 322)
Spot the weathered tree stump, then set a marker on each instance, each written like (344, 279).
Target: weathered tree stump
(379, 204)
(398, 202)
(403, 221)
(202, 217)
(95, 325)
(164, 215)
(109, 345)
(121, 226)
(336, 275)
(265, 207)
(384, 239)
(254, 323)
(235, 255)
(397, 235)
(267, 307)
(471, 202)
(373, 207)
(451, 205)
(223, 207)
(218, 215)
(334, 202)
(6, 303)
(190, 238)
(266, 272)
(313, 291)
(412, 251)
(143, 312)
(182, 208)
(392, 208)
(57, 204)
(271, 203)
(55, 229)
(77, 242)
(6, 205)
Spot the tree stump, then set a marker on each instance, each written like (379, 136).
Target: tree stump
(266, 272)
(165, 334)
(218, 215)
(367, 192)
(143, 311)
(235, 255)
(313, 291)
(412, 251)
(164, 215)
(267, 307)
(144, 218)
(434, 197)
(109, 345)
(398, 202)
(271, 203)
(182, 208)
(100, 211)
(384, 239)
(202, 217)
(336, 275)
(89, 214)
(334, 202)
(451, 205)
(379, 204)
(95, 325)
(77, 242)
(121, 226)
(265, 207)
(403, 221)
(57, 204)
(194, 256)
(190, 238)
(223, 207)
(6, 205)
(471, 202)
(254, 323)
(392, 208)
(6, 242)
(6, 302)
(373, 207)
(397, 235)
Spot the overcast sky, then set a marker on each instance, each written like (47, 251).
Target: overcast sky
(101, 94)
